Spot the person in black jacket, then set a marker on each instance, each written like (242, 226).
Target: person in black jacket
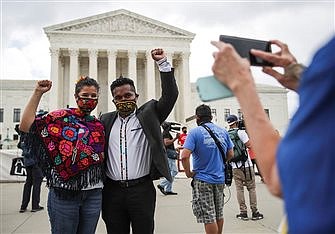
(165, 186)
(32, 185)
(135, 153)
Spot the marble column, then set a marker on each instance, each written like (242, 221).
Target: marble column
(186, 91)
(132, 74)
(93, 70)
(169, 56)
(150, 76)
(54, 76)
(112, 54)
(74, 53)
(93, 63)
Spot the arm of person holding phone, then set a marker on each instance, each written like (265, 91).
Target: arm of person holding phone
(234, 71)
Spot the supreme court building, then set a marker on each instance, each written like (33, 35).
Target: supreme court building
(114, 44)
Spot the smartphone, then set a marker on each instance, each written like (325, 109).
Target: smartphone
(244, 45)
(210, 89)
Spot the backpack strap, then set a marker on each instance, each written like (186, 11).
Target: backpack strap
(216, 140)
(227, 167)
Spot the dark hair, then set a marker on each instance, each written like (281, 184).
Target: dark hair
(122, 81)
(86, 81)
(183, 128)
(204, 112)
(41, 112)
(17, 129)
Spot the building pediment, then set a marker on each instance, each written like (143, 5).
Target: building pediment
(119, 22)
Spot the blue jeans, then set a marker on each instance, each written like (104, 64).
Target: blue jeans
(167, 185)
(76, 214)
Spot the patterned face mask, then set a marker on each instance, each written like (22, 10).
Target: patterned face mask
(126, 107)
(87, 104)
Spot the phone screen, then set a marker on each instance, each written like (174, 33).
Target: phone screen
(244, 45)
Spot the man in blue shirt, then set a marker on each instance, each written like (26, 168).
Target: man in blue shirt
(208, 169)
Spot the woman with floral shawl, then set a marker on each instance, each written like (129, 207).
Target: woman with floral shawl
(71, 145)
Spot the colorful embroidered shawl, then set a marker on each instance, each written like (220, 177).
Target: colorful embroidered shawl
(74, 141)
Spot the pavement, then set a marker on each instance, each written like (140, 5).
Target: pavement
(173, 213)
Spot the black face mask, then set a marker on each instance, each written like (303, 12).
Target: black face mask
(185, 131)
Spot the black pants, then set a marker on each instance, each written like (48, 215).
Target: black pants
(33, 180)
(125, 206)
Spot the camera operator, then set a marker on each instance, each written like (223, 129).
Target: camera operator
(165, 186)
(243, 173)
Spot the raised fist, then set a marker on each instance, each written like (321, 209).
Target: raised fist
(158, 54)
(43, 86)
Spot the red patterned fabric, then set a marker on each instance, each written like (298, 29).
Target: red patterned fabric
(74, 141)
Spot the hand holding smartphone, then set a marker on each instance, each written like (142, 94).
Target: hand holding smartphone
(244, 45)
(210, 89)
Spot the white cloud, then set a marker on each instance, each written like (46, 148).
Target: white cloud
(301, 28)
(16, 64)
(31, 61)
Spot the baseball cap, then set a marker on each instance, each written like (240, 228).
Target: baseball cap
(231, 119)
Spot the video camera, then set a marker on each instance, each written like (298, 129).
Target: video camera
(171, 126)
(241, 124)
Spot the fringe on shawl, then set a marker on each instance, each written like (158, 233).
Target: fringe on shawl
(93, 175)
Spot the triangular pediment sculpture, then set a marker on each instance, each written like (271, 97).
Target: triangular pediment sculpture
(119, 22)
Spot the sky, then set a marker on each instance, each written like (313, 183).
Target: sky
(303, 25)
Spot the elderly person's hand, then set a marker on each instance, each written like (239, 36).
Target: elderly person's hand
(229, 68)
(284, 59)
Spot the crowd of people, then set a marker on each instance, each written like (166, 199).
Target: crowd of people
(108, 165)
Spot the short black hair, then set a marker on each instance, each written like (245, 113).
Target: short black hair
(122, 81)
(204, 112)
(86, 81)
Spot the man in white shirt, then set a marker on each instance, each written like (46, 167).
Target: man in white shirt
(135, 153)
(243, 174)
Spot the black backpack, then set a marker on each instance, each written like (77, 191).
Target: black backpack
(240, 150)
